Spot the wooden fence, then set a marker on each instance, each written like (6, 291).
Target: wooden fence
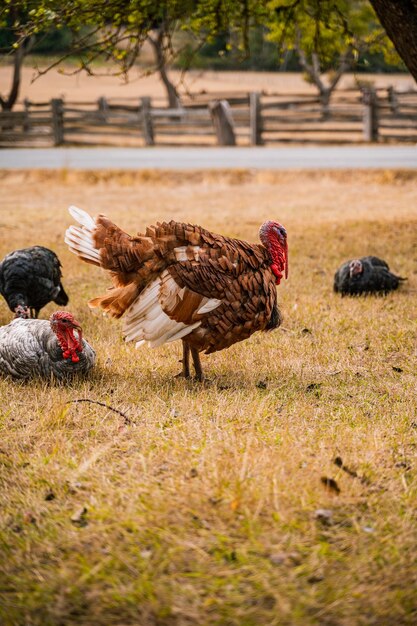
(382, 115)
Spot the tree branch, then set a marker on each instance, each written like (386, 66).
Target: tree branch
(312, 69)
(344, 64)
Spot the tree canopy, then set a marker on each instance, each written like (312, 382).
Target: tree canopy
(327, 34)
(118, 29)
(328, 37)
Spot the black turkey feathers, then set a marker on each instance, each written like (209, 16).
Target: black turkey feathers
(368, 274)
(30, 278)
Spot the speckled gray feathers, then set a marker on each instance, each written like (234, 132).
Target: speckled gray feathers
(29, 349)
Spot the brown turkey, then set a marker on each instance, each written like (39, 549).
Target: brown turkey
(179, 281)
(32, 348)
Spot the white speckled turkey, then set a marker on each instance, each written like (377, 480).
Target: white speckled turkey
(47, 349)
(180, 281)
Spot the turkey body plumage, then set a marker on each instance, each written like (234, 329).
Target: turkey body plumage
(180, 281)
(371, 276)
(30, 278)
(30, 349)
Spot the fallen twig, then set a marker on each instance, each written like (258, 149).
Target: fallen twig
(107, 406)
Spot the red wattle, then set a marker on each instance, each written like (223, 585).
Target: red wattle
(69, 344)
(279, 260)
(276, 271)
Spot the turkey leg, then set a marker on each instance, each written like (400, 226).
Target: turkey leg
(197, 365)
(185, 359)
(186, 362)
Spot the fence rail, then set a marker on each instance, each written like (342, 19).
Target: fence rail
(221, 118)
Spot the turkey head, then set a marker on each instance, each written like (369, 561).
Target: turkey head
(22, 311)
(274, 237)
(63, 325)
(355, 268)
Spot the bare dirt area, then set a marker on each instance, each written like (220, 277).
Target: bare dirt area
(281, 491)
(80, 87)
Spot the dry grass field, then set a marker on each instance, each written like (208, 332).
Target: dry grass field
(280, 492)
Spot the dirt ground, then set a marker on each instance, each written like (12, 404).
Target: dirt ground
(81, 87)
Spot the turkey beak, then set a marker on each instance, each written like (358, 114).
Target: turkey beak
(76, 326)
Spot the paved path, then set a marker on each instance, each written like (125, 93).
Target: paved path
(212, 158)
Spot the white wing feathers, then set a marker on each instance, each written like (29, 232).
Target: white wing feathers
(210, 305)
(145, 320)
(80, 240)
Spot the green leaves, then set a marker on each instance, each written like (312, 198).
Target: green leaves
(327, 29)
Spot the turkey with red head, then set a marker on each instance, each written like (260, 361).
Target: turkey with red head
(32, 348)
(179, 281)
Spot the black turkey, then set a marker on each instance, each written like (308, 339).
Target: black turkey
(48, 349)
(368, 274)
(29, 279)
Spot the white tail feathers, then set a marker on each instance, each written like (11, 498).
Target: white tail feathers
(82, 217)
(80, 240)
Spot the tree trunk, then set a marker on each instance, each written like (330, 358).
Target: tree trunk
(325, 95)
(157, 44)
(7, 103)
(399, 18)
(313, 70)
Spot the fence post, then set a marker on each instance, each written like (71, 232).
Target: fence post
(370, 115)
(224, 127)
(393, 99)
(255, 119)
(57, 106)
(103, 107)
(147, 124)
